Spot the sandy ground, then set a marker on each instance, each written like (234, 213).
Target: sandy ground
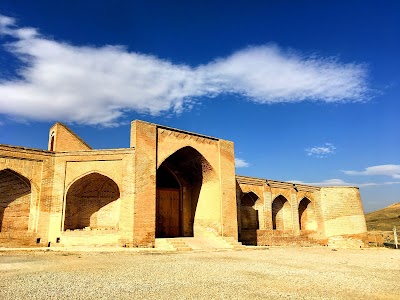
(284, 273)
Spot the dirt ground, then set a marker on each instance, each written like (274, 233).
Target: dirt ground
(284, 273)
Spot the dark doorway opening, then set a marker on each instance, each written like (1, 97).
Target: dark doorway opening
(168, 219)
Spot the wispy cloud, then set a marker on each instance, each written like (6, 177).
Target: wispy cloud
(383, 170)
(98, 85)
(340, 182)
(241, 163)
(321, 151)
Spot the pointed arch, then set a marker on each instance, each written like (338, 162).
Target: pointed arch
(249, 213)
(92, 201)
(307, 219)
(15, 201)
(282, 218)
(187, 187)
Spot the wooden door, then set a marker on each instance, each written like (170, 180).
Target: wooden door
(168, 212)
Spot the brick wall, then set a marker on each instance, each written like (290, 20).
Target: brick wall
(15, 201)
(61, 138)
(25, 197)
(342, 211)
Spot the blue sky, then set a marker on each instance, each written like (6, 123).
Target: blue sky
(308, 91)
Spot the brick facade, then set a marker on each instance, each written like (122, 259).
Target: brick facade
(73, 195)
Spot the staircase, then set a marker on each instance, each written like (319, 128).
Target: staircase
(209, 243)
(172, 244)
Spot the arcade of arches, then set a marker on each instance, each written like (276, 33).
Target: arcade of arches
(252, 216)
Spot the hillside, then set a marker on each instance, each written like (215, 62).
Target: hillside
(384, 219)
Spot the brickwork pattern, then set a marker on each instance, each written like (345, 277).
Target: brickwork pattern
(110, 195)
(92, 202)
(61, 138)
(15, 202)
(342, 211)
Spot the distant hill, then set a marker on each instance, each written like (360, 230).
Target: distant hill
(384, 219)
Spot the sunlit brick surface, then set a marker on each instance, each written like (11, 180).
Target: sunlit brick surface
(74, 195)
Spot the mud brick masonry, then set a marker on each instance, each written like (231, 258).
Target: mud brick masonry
(169, 183)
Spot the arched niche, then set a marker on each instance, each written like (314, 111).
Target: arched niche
(251, 211)
(281, 214)
(15, 201)
(307, 219)
(92, 202)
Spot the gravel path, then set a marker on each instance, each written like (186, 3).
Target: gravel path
(285, 273)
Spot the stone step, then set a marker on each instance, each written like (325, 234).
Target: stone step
(236, 245)
(213, 243)
(171, 244)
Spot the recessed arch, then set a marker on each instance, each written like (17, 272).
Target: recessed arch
(250, 213)
(187, 190)
(281, 214)
(15, 201)
(92, 201)
(307, 215)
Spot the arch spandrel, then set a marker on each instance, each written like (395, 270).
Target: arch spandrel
(169, 142)
(73, 180)
(304, 194)
(20, 171)
(287, 193)
(247, 188)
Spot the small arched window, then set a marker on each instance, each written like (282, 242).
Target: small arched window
(52, 141)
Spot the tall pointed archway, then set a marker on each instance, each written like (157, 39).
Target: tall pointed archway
(187, 193)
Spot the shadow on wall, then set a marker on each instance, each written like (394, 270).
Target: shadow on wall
(181, 212)
(249, 219)
(307, 221)
(91, 202)
(15, 197)
(281, 214)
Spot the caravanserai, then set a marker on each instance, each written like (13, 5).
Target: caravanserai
(170, 183)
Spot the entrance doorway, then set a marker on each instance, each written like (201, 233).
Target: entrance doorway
(187, 202)
(168, 220)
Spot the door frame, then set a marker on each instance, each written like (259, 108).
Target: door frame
(180, 212)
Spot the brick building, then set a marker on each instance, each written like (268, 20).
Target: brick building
(169, 183)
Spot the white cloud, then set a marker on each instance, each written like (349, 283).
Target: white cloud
(241, 163)
(98, 85)
(340, 182)
(383, 170)
(321, 151)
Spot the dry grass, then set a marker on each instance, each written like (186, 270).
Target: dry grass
(384, 219)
